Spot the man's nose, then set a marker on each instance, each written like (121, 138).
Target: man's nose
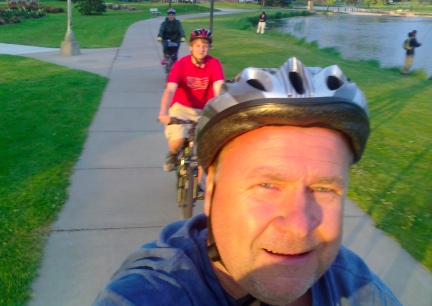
(297, 213)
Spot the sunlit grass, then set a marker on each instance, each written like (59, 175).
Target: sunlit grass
(45, 112)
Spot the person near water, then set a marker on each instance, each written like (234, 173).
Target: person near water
(409, 55)
(262, 19)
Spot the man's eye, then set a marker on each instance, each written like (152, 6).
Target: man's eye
(321, 189)
(266, 185)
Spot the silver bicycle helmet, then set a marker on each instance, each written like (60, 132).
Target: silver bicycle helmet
(293, 95)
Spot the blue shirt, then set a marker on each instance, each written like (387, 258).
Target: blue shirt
(175, 270)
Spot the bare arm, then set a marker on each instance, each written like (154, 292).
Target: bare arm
(166, 99)
(217, 87)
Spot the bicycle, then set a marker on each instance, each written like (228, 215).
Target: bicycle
(171, 50)
(187, 171)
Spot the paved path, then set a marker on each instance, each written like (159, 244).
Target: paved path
(119, 196)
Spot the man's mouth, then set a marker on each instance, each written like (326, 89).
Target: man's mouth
(288, 255)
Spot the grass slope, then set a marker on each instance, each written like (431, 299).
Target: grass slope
(45, 112)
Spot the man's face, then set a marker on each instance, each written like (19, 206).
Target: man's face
(171, 17)
(199, 48)
(276, 210)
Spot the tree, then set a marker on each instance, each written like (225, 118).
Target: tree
(380, 3)
(329, 3)
(368, 3)
(415, 2)
(90, 7)
(276, 3)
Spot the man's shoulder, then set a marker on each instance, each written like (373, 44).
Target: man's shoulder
(350, 279)
(185, 59)
(182, 63)
(173, 270)
(213, 60)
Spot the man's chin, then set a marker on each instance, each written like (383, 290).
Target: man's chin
(278, 290)
(281, 295)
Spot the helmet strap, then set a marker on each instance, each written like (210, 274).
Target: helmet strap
(212, 250)
(213, 254)
(198, 62)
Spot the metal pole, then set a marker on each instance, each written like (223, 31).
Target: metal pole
(69, 46)
(69, 26)
(211, 15)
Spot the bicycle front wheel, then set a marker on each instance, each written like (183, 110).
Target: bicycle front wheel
(180, 190)
(190, 185)
(168, 64)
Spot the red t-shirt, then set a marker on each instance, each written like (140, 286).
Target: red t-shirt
(195, 84)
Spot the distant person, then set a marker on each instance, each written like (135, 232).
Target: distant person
(262, 19)
(409, 57)
(277, 152)
(171, 29)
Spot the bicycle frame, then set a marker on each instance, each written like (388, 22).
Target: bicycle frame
(170, 48)
(187, 171)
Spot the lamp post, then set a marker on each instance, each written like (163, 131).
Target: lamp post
(69, 46)
(211, 15)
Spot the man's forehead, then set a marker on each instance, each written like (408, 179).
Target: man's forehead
(291, 133)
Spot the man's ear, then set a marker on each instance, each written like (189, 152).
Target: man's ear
(209, 190)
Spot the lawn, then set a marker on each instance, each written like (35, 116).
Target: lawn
(104, 31)
(45, 112)
(391, 183)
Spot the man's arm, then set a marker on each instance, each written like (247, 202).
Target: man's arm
(182, 33)
(217, 87)
(415, 43)
(166, 99)
(161, 30)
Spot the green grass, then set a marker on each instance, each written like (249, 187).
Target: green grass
(103, 31)
(43, 129)
(45, 112)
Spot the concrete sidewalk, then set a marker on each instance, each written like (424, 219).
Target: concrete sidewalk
(120, 197)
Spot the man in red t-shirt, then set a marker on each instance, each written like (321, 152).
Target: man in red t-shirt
(193, 80)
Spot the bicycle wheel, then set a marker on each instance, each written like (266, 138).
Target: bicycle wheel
(168, 64)
(180, 190)
(189, 192)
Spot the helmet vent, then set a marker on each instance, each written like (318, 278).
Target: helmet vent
(296, 82)
(333, 82)
(256, 84)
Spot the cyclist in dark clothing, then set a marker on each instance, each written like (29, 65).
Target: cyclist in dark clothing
(171, 29)
(409, 57)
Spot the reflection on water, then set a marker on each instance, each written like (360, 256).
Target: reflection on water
(366, 37)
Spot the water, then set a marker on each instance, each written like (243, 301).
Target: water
(366, 37)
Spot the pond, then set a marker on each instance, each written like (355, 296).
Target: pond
(366, 36)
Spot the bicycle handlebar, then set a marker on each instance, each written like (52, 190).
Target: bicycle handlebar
(171, 43)
(175, 120)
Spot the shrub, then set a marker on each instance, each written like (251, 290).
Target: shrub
(112, 6)
(90, 7)
(15, 11)
(53, 10)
